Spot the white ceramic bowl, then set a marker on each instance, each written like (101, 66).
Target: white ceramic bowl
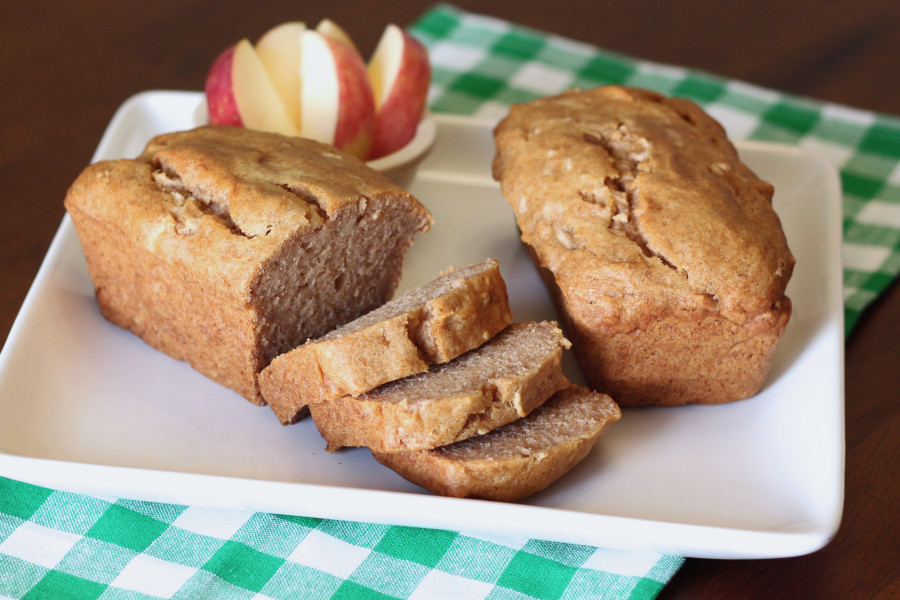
(400, 166)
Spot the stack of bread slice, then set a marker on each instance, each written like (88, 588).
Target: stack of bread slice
(431, 324)
(444, 389)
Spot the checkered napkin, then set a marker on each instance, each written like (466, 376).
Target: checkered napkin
(56, 544)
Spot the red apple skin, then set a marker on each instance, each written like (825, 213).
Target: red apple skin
(355, 127)
(223, 109)
(399, 116)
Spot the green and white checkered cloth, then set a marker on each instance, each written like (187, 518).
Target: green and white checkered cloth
(56, 544)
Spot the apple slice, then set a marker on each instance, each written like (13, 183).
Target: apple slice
(220, 101)
(332, 30)
(400, 74)
(336, 103)
(279, 51)
(240, 92)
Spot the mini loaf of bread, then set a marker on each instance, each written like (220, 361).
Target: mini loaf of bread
(498, 382)
(518, 459)
(225, 247)
(430, 324)
(665, 259)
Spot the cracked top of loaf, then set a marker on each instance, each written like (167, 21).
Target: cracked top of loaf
(639, 205)
(242, 192)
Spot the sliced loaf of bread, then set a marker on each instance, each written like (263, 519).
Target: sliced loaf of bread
(495, 384)
(431, 324)
(225, 246)
(518, 459)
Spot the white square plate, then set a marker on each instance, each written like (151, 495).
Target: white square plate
(88, 407)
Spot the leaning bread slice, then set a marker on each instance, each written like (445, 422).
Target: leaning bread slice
(431, 324)
(516, 460)
(495, 384)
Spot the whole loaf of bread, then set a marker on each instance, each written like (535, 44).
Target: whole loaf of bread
(661, 249)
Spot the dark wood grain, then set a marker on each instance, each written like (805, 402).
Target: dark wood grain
(69, 65)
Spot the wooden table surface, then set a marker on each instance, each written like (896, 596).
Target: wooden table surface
(69, 65)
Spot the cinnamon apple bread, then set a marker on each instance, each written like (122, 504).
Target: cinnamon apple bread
(518, 459)
(661, 249)
(430, 324)
(224, 246)
(500, 381)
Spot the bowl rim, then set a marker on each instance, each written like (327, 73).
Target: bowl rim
(412, 152)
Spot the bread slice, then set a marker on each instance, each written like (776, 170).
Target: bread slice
(502, 380)
(431, 324)
(225, 246)
(518, 459)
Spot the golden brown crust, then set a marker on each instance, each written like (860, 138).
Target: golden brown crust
(498, 382)
(207, 244)
(429, 325)
(517, 460)
(660, 248)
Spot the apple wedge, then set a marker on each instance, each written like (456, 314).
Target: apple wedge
(336, 103)
(239, 92)
(400, 73)
(220, 101)
(279, 51)
(332, 30)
